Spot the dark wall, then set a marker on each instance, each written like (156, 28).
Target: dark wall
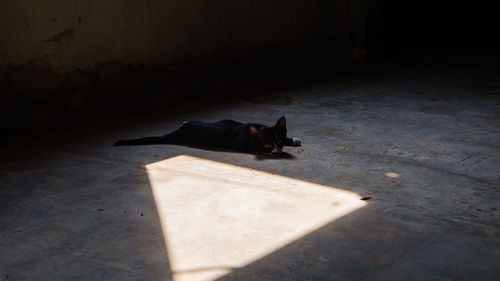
(60, 58)
(455, 24)
(64, 60)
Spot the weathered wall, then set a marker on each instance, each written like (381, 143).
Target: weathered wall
(43, 43)
(86, 32)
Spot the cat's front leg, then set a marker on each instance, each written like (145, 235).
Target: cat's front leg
(293, 142)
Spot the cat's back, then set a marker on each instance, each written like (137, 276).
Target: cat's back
(221, 124)
(222, 128)
(213, 134)
(227, 123)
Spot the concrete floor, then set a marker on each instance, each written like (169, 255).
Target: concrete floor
(423, 143)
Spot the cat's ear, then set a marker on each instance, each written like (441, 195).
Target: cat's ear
(281, 123)
(254, 130)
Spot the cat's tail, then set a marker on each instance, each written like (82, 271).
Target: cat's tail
(147, 141)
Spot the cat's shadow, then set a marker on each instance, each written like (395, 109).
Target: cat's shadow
(258, 155)
(270, 156)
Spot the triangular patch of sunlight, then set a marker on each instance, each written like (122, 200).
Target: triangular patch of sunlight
(217, 217)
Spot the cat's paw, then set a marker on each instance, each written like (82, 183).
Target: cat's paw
(296, 142)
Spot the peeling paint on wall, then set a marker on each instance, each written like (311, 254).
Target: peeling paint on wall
(62, 37)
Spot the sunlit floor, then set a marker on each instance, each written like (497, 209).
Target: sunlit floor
(420, 145)
(217, 217)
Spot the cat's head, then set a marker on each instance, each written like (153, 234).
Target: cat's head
(271, 139)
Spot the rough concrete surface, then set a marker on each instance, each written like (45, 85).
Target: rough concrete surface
(423, 143)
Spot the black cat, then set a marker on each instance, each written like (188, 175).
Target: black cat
(225, 134)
